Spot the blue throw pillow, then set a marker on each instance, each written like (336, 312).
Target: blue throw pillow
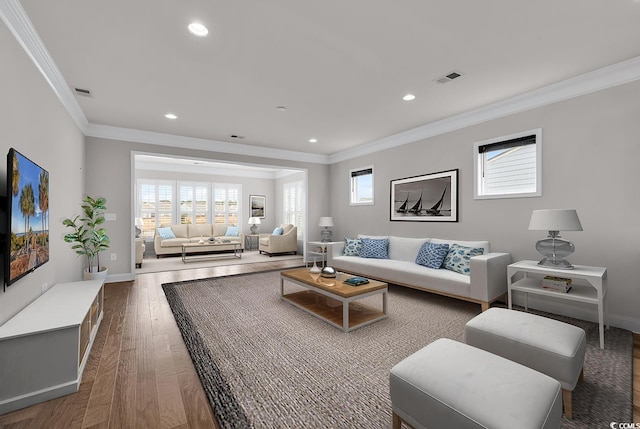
(374, 248)
(352, 247)
(166, 232)
(277, 231)
(232, 231)
(431, 255)
(459, 258)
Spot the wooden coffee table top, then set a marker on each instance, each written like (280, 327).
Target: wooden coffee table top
(332, 285)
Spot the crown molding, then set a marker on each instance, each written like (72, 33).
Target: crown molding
(149, 137)
(603, 78)
(16, 19)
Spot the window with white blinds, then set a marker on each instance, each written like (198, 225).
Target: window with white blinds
(509, 167)
(194, 205)
(226, 203)
(166, 202)
(293, 205)
(155, 204)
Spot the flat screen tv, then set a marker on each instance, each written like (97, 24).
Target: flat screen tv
(28, 217)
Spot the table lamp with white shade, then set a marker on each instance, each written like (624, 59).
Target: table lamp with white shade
(554, 248)
(139, 223)
(254, 221)
(325, 223)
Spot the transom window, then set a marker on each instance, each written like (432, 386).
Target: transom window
(508, 167)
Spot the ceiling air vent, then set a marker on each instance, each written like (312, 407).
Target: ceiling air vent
(83, 92)
(448, 77)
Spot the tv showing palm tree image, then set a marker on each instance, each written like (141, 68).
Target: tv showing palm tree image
(28, 209)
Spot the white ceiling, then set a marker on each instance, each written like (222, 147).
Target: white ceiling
(340, 67)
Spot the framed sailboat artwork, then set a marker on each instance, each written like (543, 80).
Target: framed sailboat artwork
(427, 198)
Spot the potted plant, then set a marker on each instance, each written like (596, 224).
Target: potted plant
(88, 237)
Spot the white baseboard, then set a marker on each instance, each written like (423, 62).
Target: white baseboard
(125, 277)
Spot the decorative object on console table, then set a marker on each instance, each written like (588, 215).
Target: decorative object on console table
(139, 223)
(554, 248)
(254, 221)
(430, 197)
(326, 223)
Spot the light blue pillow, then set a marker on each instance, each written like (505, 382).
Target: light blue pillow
(352, 247)
(459, 258)
(232, 231)
(374, 248)
(277, 231)
(166, 232)
(431, 255)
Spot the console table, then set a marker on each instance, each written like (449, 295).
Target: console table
(594, 293)
(44, 348)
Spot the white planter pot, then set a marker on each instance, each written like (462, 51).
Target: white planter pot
(95, 274)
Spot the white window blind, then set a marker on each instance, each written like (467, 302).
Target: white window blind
(293, 204)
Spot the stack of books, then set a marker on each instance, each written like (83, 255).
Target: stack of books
(559, 284)
(356, 281)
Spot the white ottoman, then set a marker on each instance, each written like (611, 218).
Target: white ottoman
(448, 384)
(546, 345)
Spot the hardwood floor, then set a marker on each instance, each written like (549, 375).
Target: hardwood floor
(139, 373)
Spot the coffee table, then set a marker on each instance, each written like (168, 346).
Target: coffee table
(331, 300)
(210, 246)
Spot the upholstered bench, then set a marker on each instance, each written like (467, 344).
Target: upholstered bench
(449, 384)
(546, 345)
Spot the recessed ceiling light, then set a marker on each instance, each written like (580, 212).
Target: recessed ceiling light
(281, 108)
(409, 97)
(198, 29)
(313, 140)
(170, 116)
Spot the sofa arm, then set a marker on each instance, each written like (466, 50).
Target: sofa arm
(334, 249)
(489, 276)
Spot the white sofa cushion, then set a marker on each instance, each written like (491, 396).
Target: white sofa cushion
(405, 249)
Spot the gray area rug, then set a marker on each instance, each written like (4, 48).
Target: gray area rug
(266, 364)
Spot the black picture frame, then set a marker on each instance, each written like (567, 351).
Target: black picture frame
(430, 197)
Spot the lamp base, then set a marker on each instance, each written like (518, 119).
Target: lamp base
(253, 229)
(325, 235)
(555, 250)
(558, 264)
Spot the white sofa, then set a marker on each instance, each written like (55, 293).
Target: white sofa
(487, 282)
(187, 233)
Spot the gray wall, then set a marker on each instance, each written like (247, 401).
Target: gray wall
(109, 174)
(33, 121)
(590, 154)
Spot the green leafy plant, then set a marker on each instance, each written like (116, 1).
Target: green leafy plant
(88, 237)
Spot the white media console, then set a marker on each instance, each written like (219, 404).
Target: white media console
(44, 348)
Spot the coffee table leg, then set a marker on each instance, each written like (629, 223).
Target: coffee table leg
(384, 302)
(345, 316)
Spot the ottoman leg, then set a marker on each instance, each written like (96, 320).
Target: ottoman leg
(566, 404)
(397, 421)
